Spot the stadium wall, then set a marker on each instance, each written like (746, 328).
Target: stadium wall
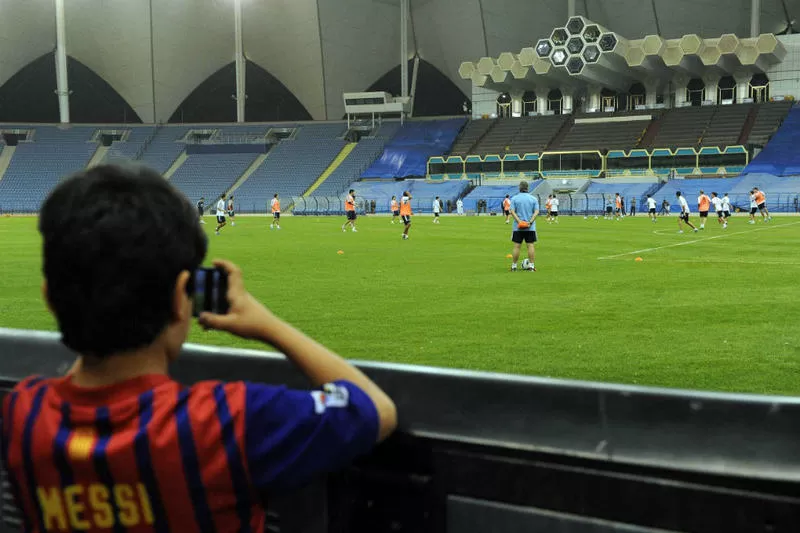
(784, 77)
(513, 453)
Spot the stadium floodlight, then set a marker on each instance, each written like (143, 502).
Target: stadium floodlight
(608, 42)
(543, 48)
(591, 34)
(559, 36)
(559, 57)
(575, 65)
(575, 25)
(575, 45)
(591, 54)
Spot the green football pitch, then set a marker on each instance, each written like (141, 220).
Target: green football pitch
(714, 310)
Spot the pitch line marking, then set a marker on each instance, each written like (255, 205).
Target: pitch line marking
(685, 243)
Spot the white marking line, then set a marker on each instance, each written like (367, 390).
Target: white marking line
(695, 241)
(729, 261)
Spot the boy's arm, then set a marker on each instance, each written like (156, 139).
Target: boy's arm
(249, 319)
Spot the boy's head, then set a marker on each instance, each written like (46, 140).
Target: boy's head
(118, 246)
(678, 194)
(714, 195)
(394, 197)
(275, 195)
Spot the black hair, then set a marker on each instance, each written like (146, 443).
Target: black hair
(275, 195)
(714, 194)
(677, 193)
(114, 241)
(352, 191)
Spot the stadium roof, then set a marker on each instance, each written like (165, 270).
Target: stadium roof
(319, 49)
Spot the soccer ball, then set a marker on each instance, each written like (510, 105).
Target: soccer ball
(526, 264)
(585, 218)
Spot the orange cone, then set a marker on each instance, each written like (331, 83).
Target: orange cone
(340, 252)
(639, 259)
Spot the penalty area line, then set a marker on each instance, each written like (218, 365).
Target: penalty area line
(695, 241)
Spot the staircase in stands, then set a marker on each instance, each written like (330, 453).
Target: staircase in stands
(337, 161)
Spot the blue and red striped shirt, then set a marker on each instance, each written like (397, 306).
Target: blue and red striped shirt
(149, 455)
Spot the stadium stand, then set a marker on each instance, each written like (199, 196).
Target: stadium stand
(423, 192)
(520, 135)
(726, 125)
(472, 132)
(768, 120)
(128, 150)
(605, 135)
(38, 166)
(780, 156)
(407, 153)
(596, 195)
(209, 175)
(362, 156)
(164, 149)
(292, 166)
(682, 127)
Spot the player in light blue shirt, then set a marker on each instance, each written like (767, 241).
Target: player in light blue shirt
(524, 209)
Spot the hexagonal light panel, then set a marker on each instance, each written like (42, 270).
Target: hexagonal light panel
(591, 54)
(747, 54)
(559, 57)
(506, 60)
(466, 69)
(575, 45)
(608, 41)
(575, 65)
(543, 48)
(541, 66)
(519, 71)
(559, 36)
(591, 34)
(575, 26)
(634, 56)
(485, 65)
(498, 75)
(728, 43)
(766, 43)
(710, 54)
(672, 55)
(691, 44)
(653, 45)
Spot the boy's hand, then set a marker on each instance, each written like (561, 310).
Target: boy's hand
(246, 317)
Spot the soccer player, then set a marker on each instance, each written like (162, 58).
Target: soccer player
(524, 209)
(717, 202)
(220, 213)
(459, 207)
(547, 204)
(275, 205)
(436, 208)
(618, 206)
(231, 210)
(395, 207)
(703, 203)
(683, 217)
(117, 444)
(554, 209)
(633, 207)
(726, 208)
(405, 213)
(651, 208)
(609, 210)
(761, 203)
(507, 208)
(665, 208)
(753, 207)
(201, 208)
(350, 211)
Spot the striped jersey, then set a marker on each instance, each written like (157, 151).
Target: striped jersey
(149, 455)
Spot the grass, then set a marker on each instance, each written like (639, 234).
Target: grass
(717, 310)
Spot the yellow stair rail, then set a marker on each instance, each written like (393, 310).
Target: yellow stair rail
(338, 160)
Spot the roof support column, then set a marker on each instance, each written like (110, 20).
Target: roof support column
(755, 18)
(541, 99)
(404, 48)
(241, 66)
(651, 92)
(742, 85)
(570, 8)
(62, 83)
(679, 84)
(712, 87)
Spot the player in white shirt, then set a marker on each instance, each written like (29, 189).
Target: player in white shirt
(683, 217)
(716, 201)
(459, 207)
(437, 207)
(651, 208)
(726, 207)
(554, 209)
(220, 213)
(753, 208)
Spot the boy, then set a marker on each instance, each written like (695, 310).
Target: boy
(220, 213)
(405, 213)
(350, 211)
(717, 203)
(275, 205)
(726, 208)
(761, 203)
(395, 207)
(703, 203)
(231, 211)
(436, 208)
(651, 208)
(554, 209)
(507, 208)
(683, 217)
(201, 207)
(119, 445)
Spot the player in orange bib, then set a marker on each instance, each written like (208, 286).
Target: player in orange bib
(350, 210)
(395, 209)
(405, 213)
(275, 204)
(761, 203)
(703, 203)
(507, 209)
(547, 205)
(618, 206)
